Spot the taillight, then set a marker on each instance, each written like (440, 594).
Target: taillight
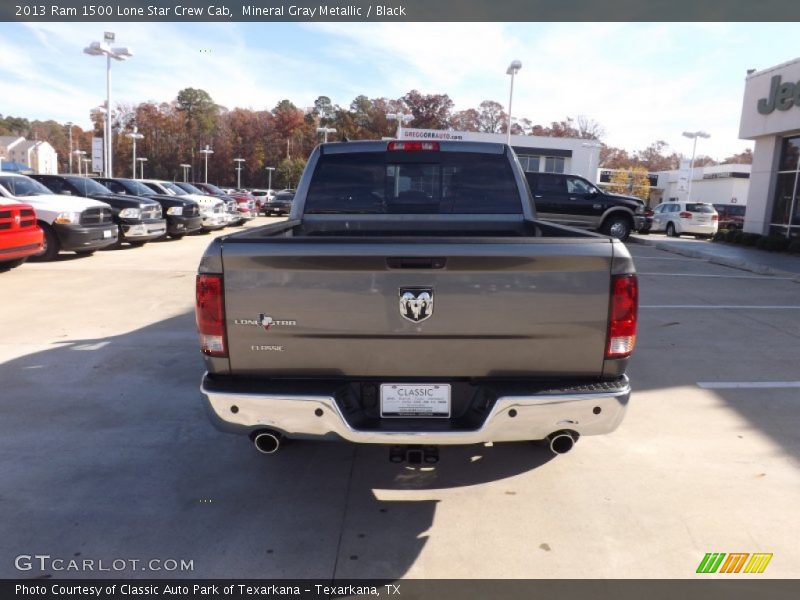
(622, 316)
(685, 215)
(648, 212)
(413, 146)
(715, 217)
(210, 312)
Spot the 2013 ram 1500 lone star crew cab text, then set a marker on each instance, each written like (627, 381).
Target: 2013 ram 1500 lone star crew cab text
(412, 298)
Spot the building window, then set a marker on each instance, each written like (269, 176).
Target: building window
(787, 188)
(553, 164)
(530, 163)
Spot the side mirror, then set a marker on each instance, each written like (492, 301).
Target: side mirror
(593, 194)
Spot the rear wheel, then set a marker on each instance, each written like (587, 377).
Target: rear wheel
(617, 227)
(137, 244)
(177, 236)
(671, 231)
(85, 252)
(51, 246)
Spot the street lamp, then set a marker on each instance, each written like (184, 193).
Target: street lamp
(79, 154)
(270, 169)
(238, 162)
(512, 70)
(326, 131)
(400, 118)
(135, 135)
(591, 146)
(207, 150)
(185, 168)
(86, 162)
(693, 135)
(117, 53)
(141, 161)
(69, 154)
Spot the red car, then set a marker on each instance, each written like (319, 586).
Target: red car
(20, 236)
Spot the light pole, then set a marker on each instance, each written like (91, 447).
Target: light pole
(185, 168)
(134, 135)
(591, 146)
(79, 154)
(141, 160)
(207, 150)
(326, 131)
(117, 53)
(400, 118)
(69, 124)
(512, 70)
(270, 169)
(238, 162)
(86, 162)
(693, 135)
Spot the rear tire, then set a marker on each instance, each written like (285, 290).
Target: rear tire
(85, 252)
(618, 227)
(176, 236)
(51, 244)
(671, 231)
(137, 244)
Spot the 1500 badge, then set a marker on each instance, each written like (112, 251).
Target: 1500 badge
(266, 322)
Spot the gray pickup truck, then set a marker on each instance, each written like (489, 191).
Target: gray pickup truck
(413, 299)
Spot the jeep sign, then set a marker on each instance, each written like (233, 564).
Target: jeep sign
(781, 96)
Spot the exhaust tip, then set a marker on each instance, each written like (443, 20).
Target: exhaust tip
(267, 442)
(562, 442)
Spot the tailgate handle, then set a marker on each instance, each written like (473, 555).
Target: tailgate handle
(416, 263)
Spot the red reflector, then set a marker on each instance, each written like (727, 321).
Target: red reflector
(413, 146)
(210, 313)
(685, 215)
(622, 315)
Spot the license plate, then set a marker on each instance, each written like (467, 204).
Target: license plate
(415, 400)
(106, 233)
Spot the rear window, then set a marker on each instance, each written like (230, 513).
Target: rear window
(413, 183)
(699, 208)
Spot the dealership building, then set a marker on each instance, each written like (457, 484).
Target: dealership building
(536, 153)
(771, 118)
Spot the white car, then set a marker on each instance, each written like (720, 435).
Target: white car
(68, 222)
(211, 209)
(695, 218)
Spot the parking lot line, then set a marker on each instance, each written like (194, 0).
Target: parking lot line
(717, 306)
(760, 277)
(733, 385)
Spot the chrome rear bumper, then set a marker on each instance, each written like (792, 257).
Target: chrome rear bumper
(512, 418)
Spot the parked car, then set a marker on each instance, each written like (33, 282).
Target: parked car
(731, 216)
(139, 219)
(280, 203)
(393, 310)
(245, 203)
(647, 226)
(71, 223)
(695, 218)
(20, 235)
(574, 201)
(212, 210)
(182, 214)
(261, 196)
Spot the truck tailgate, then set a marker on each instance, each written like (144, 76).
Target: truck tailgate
(501, 308)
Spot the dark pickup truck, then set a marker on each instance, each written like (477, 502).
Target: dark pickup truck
(182, 214)
(139, 219)
(574, 201)
(413, 299)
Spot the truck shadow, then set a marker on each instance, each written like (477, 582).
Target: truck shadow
(106, 453)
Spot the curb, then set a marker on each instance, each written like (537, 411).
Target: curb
(741, 264)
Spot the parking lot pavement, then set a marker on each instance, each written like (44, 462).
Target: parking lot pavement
(731, 255)
(106, 452)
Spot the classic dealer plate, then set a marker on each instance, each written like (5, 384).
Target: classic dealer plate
(415, 400)
(106, 233)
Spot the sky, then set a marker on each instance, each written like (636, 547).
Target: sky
(641, 81)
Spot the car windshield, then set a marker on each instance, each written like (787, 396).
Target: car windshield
(173, 188)
(137, 188)
(23, 186)
(214, 189)
(188, 187)
(699, 208)
(284, 196)
(88, 186)
(413, 183)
